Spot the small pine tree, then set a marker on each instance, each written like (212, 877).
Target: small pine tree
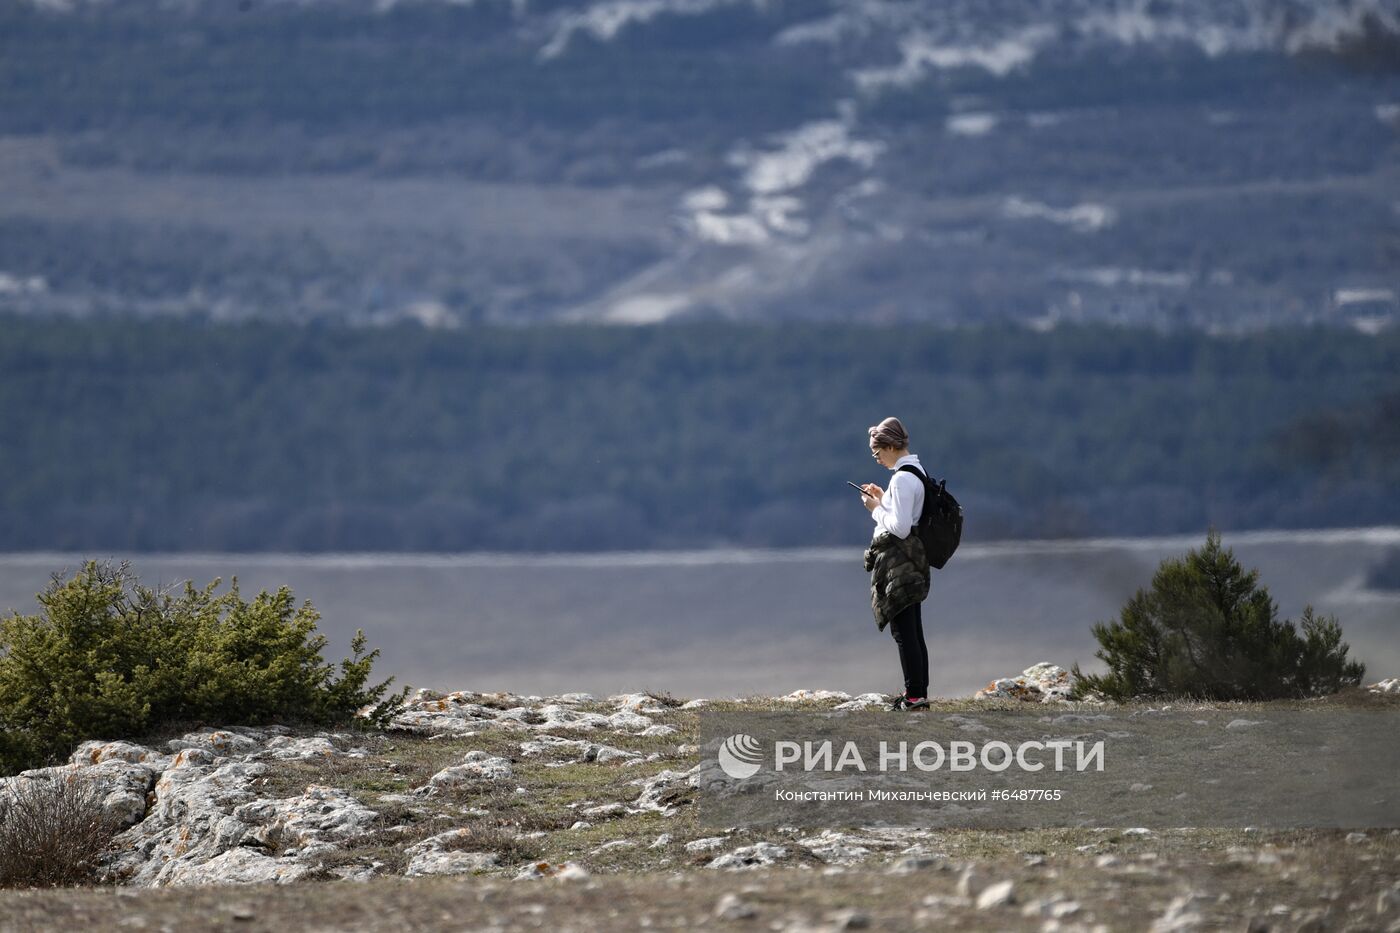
(1207, 629)
(109, 658)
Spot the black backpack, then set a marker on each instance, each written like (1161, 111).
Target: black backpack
(941, 522)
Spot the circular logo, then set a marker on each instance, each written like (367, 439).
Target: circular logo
(739, 756)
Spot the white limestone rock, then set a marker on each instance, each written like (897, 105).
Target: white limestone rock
(627, 721)
(583, 749)
(544, 744)
(320, 818)
(571, 871)
(636, 702)
(435, 862)
(504, 698)
(706, 844)
(476, 766)
(1039, 683)
(122, 784)
(458, 839)
(456, 713)
(96, 752)
(432, 724)
(359, 871)
(733, 907)
(836, 848)
(190, 822)
(864, 701)
(521, 715)
(224, 742)
(557, 716)
(664, 792)
(187, 757)
(562, 871)
(813, 696)
(449, 853)
(602, 754)
(613, 844)
(312, 748)
(996, 895)
(239, 865)
(707, 775)
(758, 855)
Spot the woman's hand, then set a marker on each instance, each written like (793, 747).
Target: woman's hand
(873, 495)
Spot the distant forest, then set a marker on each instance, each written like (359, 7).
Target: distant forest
(156, 435)
(273, 159)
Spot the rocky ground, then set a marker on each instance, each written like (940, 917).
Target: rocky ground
(571, 812)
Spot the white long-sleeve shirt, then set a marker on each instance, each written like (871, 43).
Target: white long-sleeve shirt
(899, 508)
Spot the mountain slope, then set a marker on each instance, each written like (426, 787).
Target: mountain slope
(1219, 165)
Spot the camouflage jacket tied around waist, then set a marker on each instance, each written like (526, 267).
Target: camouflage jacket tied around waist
(899, 574)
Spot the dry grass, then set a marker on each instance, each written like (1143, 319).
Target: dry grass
(558, 787)
(1314, 871)
(1319, 880)
(485, 835)
(52, 832)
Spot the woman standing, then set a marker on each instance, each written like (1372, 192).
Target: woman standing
(899, 571)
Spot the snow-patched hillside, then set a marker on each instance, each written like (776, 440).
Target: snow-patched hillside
(1221, 164)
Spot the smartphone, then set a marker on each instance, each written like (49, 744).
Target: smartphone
(862, 491)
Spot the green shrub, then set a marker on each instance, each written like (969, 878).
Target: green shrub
(107, 657)
(1207, 629)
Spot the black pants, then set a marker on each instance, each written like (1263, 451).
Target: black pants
(908, 630)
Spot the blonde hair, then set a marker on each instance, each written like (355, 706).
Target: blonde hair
(889, 433)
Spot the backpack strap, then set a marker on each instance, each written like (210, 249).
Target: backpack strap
(929, 488)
